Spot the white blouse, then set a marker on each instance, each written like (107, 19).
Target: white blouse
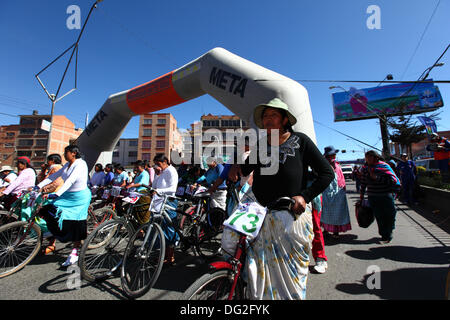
(75, 177)
(165, 183)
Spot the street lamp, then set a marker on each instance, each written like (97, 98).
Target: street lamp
(428, 70)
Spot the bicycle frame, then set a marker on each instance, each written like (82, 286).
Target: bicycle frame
(30, 220)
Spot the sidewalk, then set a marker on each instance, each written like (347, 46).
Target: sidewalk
(413, 266)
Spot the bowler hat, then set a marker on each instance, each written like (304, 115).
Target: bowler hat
(274, 103)
(330, 150)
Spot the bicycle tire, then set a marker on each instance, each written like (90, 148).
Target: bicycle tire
(135, 264)
(219, 280)
(216, 218)
(447, 286)
(208, 241)
(102, 252)
(8, 234)
(7, 217)
(97, 217)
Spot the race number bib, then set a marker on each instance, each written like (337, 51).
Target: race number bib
(131, 200)
(106, 194)
(247, 219)
(180, 191)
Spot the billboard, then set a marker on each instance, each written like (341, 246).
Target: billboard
(390, 100)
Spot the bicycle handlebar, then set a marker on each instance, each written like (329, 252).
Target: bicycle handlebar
(282, 201)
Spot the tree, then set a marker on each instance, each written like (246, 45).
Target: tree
(407, 131)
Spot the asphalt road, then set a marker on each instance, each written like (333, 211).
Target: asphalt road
(413, 266)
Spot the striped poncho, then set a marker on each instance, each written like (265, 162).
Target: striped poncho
(386, 180)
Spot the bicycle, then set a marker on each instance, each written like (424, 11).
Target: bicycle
(20, 241)
(144, 255)
(224, 281)
(102, 251)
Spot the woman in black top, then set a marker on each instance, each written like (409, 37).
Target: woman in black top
(278, 259)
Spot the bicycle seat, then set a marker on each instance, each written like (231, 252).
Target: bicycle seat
(202, 195)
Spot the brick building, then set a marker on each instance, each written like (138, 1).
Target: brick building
(418, 149)
(158, 133)
(221, 123)
(8, 135)
(32, 140)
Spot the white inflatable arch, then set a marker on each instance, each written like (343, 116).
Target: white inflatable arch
(228, 78)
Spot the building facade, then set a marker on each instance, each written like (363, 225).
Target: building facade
(32, 140)
(8, 135)
(220, 123)
(158, 133)
(418, 149)
(126, 152)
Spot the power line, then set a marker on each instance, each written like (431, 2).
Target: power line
(421, 38)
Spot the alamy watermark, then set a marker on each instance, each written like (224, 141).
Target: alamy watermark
(74, 20)
(374, 20)
(215, 144)
(374, 279)
(74, 279)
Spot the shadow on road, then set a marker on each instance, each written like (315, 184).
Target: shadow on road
(431, 255)
(60, 284)
(348, 239)
(403, 284)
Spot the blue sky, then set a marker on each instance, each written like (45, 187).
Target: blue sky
(127, 43)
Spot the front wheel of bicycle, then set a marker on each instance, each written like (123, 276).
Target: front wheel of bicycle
(215, 285)
(18, 246)
(143, 260)
(102, 252)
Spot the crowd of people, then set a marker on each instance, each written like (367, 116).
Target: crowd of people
(280, 256)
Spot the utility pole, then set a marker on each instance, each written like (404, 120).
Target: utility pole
(54, 97)
(385, 137)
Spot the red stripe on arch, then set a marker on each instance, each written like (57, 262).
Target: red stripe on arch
(154, 95)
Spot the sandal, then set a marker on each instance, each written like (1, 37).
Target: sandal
(170, 257)
(49, 249)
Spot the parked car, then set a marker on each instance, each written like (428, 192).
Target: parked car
(347, 170)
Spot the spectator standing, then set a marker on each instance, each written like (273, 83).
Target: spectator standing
(98, 177)
(335, 213)
(407, 171)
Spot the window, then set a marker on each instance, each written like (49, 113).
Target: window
(27, 121)
(42, 132)
(9, 145)
(116, 154)
(146, 144)
(160, 144)
(26, 142)
(147, 132)
(41, 142)
(39, 154)
(146, 156)
(161, 133)
(5, 156)
(132, 154)
(118, 143)
(161, 121)
(27, 131)
(147, 121)
(133, 143)
(24, 154)
(10, 134)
